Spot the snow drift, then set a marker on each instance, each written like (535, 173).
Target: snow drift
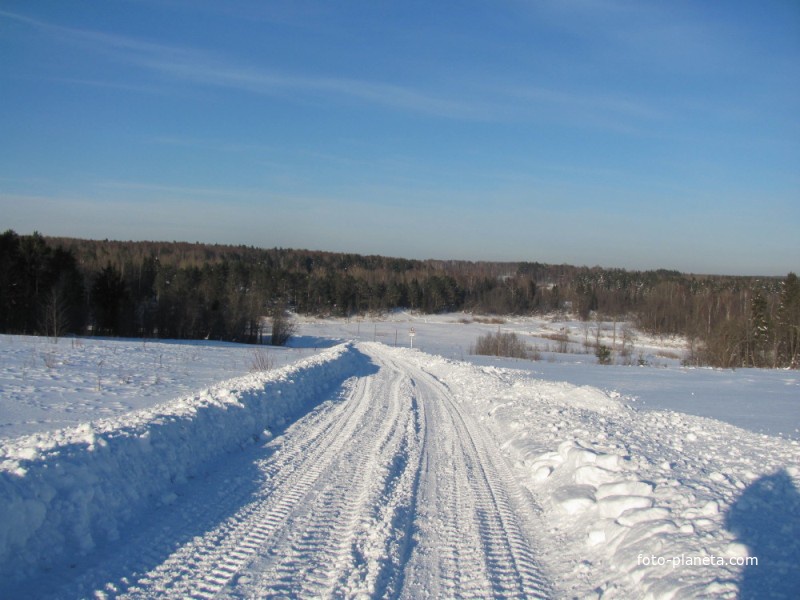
(645, 504)
(63, 493)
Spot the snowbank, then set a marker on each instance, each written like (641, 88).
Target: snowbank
(64, 492)
(643, 504)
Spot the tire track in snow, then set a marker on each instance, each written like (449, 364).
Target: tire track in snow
(481, 515)
(348, 540)
(447, 561)
(333, 516)
(290, 476)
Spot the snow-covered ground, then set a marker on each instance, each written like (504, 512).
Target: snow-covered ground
(642, 503)
(46, 385)
(761, 400)
(359, 469)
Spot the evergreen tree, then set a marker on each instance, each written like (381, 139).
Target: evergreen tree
(789, 323)
(759, 331)
(12, 296)
(108, 298)
(41, 288)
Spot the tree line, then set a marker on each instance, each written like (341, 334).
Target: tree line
(55, 286)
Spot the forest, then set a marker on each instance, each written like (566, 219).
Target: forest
(58, 286)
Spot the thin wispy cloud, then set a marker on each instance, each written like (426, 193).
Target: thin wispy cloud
(486, 103)
(215, 72)
(198, 67)
(171, 189)
(213, 145)
(100, 41)
(490, 101)
(620, 113)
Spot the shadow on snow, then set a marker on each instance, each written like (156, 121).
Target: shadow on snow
(766, 518)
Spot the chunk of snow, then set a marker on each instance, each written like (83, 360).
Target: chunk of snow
(613, 506)
(577, 457)
(593, 475)
(624, 488)
(640, 515)
(542, 473)
(574, 498)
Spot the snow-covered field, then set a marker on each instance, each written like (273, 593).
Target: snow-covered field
(46, 385)
(358, 468)
(763, 401)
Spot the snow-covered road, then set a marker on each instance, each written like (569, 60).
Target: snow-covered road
(475, 533)
(387, 489)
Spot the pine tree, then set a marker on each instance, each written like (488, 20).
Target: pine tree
(108, 301)
(759, 330)
(789, 323)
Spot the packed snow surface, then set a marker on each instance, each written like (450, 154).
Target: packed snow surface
(366, 470)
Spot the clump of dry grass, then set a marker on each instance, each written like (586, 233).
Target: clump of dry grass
(501, 344)
(490, 320)
(261, 361)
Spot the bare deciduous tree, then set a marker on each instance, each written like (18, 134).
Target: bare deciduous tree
(55, 314)
(283, 326)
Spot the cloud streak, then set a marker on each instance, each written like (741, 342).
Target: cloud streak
(197, 67)
(487, 101)
(175, 190)
(214, 72)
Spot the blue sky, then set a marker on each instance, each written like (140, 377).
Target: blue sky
(591, 132)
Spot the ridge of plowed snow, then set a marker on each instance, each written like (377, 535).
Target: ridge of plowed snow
(635, 500)
(63, 492)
